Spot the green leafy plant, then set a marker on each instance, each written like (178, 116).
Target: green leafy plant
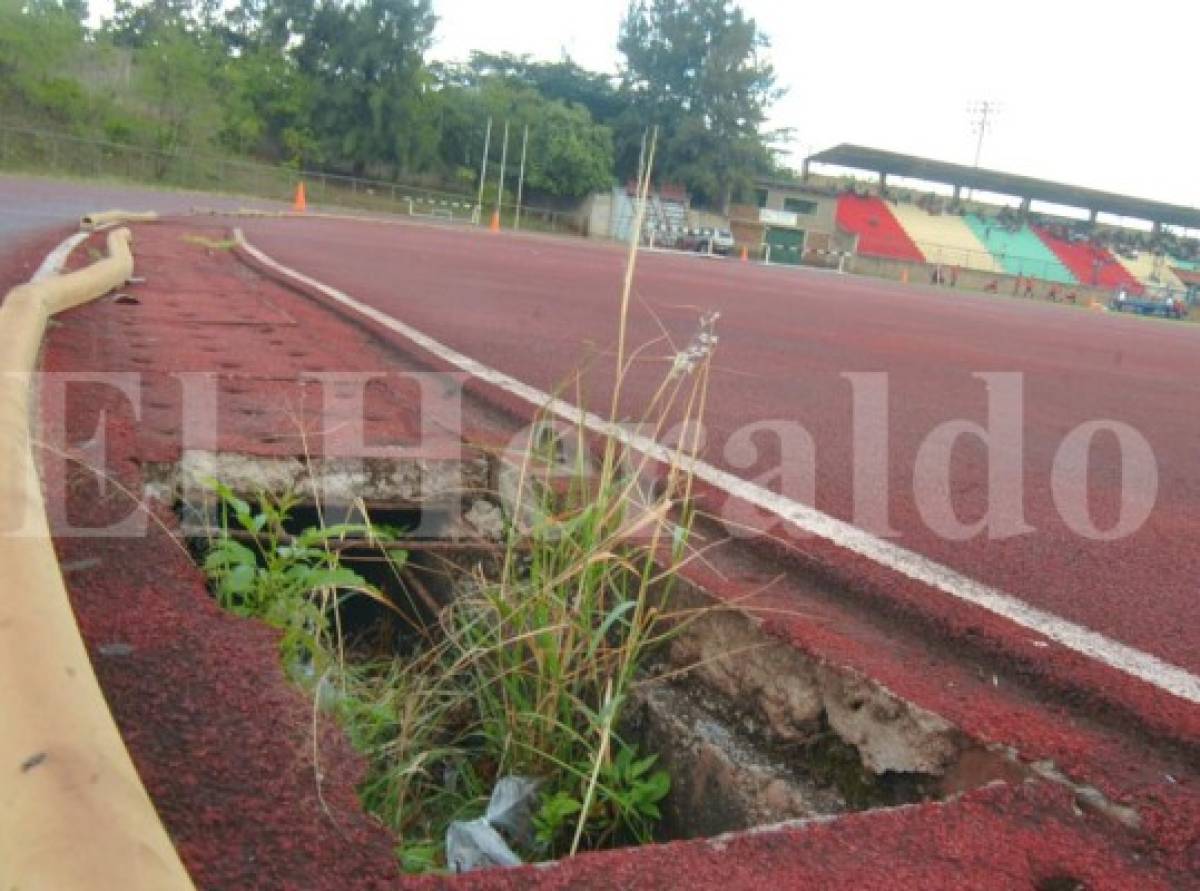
(636, 790)
(554, 817)
(293, 582)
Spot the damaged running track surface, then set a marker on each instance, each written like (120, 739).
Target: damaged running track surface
(193, 687)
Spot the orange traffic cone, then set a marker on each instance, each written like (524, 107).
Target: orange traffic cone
(745, 254)
(494, 225)
(300, 204)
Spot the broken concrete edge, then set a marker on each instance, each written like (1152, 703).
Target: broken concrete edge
(73, 811)
(785, 695)
(459, 489)
(1059, 677)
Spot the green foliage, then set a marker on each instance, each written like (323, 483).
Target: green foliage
(142, 23)
(636, 790)
(37, 41)
(562, 81)
(527, 673)
(693, 67)
(569, 154)
(266, 107)
(365, 64)
(294, 583)
(345, 86)
(555, 817)
(176, 80)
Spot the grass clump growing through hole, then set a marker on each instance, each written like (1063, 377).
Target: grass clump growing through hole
(526, 672)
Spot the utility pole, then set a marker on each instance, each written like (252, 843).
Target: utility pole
(521, 178)
(487, 141)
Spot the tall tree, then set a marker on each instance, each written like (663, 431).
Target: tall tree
(563, 80)
(366, 62)
(570, 154)
(270, 24)
(139, 23)
(175, 76)
(37, 41)
(696, 69)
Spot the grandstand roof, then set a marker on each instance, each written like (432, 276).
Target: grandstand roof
(878, 161)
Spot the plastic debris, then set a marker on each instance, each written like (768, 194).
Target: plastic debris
(474, 844)
(477, 844)
(511, 808)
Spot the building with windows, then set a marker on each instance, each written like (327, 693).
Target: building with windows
(790, 223)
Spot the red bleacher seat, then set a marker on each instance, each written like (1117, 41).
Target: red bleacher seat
(879, 234)
(1090, 264)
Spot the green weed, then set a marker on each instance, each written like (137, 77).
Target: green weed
(294, 583)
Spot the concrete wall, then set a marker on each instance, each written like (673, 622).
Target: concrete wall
(822, 219)
(747, 233)
(595, 215)
(971, 280)
(699, 219)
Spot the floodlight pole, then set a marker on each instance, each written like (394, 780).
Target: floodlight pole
(985, 109)
(487, 141)
(521, 178)
(641, 170)
(503, 163)
(981, 120)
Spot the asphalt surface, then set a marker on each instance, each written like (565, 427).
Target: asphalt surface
(28, 204)
(538, 309)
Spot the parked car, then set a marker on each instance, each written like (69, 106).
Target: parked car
(699, 240)
(1170, 307)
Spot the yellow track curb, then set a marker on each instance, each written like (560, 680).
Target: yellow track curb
(104, 218)
(73, 811)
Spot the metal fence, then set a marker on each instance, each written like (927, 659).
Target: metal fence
(46, 152)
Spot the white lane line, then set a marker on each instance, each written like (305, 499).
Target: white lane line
(56, 259)
(1114, 654)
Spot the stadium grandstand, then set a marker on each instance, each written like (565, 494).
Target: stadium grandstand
(891, 230)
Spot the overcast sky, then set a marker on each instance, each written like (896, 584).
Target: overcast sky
(1092, 94)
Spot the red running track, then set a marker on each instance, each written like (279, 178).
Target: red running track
(537, 308)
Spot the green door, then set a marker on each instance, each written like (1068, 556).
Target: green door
(786, 245)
